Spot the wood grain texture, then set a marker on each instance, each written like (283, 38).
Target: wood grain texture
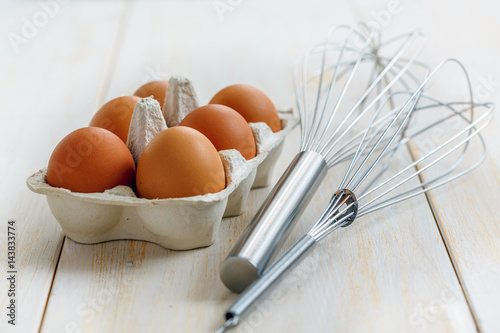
(467, 212)
(378, 275)
(47, 88)
(389, 272)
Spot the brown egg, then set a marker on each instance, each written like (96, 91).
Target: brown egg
(115, 116)
(224, 127)
(251, 103)
(156, 88)
(90, 159)
(179, 162)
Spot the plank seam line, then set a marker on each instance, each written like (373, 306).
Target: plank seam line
(114, 55)
(52, 284)
(437, 220)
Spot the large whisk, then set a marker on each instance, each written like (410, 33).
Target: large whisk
(337, 117)
(442, 143)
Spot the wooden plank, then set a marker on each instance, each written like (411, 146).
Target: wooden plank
(389, 272)
(47, 88)
(467, 212)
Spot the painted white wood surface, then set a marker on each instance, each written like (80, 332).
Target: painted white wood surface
(391, 272)
(467, 212)
(46, 89)
(229, 64)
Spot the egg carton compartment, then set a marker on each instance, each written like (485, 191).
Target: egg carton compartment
(176, 223)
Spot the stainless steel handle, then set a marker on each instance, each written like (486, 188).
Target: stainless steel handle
(269, 278)
(274, 221)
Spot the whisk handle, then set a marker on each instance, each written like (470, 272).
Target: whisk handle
(270, 276)
(274, 221)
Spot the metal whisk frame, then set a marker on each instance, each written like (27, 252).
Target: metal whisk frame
(340, 119)
(387, 167)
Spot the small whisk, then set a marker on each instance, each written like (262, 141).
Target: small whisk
(387, 168)
(337, 117)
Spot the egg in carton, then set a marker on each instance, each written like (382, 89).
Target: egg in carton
(175, 223)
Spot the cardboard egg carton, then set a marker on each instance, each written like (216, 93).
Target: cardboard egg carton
(177, 223)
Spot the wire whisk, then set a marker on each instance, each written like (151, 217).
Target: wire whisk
(392, 161)
(345, 99)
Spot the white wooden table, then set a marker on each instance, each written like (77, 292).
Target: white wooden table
(431, 264)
